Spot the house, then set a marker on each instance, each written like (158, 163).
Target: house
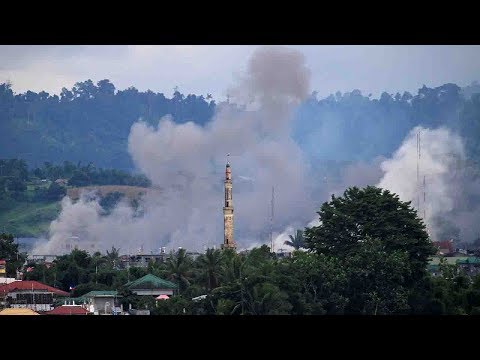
(5, 280)
(30, 294)
(62, 182)
(103, 302)
(151, 285)
(444, 247)
(68, 310)
(471, 265)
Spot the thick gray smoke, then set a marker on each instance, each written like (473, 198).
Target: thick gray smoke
(187, 163)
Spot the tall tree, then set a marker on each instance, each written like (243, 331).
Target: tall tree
(179, 269)
(211, 262)
(346, 221)
(9, 252)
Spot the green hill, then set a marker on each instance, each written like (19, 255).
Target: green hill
(29, 219)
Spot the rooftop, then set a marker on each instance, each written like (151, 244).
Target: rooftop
(30, 285)
(101, 293)
(150, 281)
(68, 310)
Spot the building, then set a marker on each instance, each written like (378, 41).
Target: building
(68, 310)
(41, 259)
(61, 182)
(228, 240)
(30, 294)
(469, 264)
(103, 302)
(6, 280)
(151, 285)
(444, 247)
(141, 260)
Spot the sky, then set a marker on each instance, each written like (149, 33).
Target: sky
(211, 69)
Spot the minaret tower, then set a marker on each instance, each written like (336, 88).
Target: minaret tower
(228, 241)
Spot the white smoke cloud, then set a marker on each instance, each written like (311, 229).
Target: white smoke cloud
(187, 163)
(440, 151)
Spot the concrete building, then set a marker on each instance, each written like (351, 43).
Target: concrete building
(30, 295)
(103, 302)
(228, 240)
(141, 260)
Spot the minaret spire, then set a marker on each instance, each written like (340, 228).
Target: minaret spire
(228, 241)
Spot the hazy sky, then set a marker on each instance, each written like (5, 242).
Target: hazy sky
(212, 68)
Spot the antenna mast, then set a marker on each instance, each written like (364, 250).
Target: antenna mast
(418, 171)
(271, 219)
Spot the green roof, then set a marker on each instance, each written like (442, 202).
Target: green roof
(78, 299)
(150, 281)
(470, 260)
(100, 293)
(452, 260)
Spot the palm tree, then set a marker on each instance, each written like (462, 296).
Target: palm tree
(211, 263)
(296, 241)
(113, 256)
(178, 268)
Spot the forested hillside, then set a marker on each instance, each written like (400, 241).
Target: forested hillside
(91, 122)
(86, 123)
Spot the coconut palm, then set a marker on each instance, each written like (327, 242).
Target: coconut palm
(211, 264)
(179, 269)
(113, 256)
(296, 241)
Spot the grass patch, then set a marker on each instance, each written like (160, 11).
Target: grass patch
(29, 219)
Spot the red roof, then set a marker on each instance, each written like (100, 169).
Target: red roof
(2, 262)
(448, 244)
(29, 285)
(68, 310)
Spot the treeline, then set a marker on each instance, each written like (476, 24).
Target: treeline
(48, 183)
(84, 175)
(352, 126)
(89, 122)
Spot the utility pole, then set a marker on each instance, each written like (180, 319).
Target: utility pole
(418, 170)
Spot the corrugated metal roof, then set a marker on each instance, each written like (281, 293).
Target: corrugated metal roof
(100, 293)
(29, 285)
(150, 281)
(68, 310)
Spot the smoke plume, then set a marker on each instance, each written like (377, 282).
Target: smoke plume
(186, 162)
(425, 173)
